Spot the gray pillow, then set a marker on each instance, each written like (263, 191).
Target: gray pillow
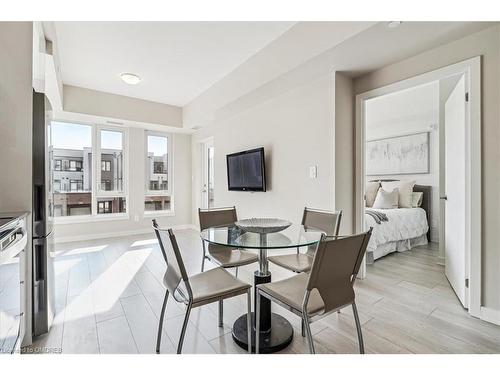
(405, 189)
(371, 192)
(386, 199)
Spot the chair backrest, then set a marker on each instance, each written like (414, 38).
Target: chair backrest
(176, 271)
(335, 266)
(217, 216)
(327, 221)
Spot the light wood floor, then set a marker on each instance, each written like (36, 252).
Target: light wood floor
(109, 296)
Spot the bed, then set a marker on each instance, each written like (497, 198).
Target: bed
(405, 229)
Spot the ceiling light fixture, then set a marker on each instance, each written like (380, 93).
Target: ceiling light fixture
(394, 24)
(130, 78)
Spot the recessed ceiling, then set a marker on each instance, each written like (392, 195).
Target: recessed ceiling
(176, 61)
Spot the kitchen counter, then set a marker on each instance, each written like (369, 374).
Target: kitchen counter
(13, 244)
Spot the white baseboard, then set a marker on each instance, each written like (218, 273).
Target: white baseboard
(490, 315)
(97, 236)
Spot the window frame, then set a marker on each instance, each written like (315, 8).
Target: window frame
(97, 170)
(170, 174)
(96, 173)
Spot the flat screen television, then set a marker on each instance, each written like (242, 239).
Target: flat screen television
(246, 170)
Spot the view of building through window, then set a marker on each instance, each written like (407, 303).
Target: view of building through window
(72, 154)
(72, 161)
(157, 184)
(73, 186)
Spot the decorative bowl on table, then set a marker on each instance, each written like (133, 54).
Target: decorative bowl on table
(263, 225)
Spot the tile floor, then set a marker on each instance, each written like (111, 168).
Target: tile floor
(109, 296)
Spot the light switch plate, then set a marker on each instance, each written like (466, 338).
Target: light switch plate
(313, 171)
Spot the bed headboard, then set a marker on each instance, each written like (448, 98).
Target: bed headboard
(426, 200)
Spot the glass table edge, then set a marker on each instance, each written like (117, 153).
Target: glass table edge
(239, 246)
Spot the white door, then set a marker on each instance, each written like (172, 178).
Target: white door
(454, 208)
(207, 183)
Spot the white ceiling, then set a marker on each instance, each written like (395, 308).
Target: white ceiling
(418, 102)
(177, 61)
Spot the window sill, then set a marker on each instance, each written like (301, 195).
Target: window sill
(158, 213)
(90, 218)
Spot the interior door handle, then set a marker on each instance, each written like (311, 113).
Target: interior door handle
(444, 197)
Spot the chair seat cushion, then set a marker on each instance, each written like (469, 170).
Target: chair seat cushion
(293, 262)
(215, 284)
(291, 292)
(230, 257)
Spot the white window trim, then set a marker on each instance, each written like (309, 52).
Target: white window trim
(170, 173)
(97, 162)
(96, 173)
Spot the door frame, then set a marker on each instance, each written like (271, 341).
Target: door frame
(204, 145)
(471, 68)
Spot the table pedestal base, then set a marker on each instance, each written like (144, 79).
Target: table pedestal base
(277, 338)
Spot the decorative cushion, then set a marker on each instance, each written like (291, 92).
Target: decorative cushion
(371, 192)
(416, 199)
(405, 189)
(386, 199)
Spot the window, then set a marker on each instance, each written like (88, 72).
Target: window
(104, 207)
(76, 185)
(111, 190)
(80, 186)
(111, 205)
(105, 166)
(72, 147)
(158, 173)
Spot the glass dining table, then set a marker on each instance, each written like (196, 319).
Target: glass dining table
(276, 332)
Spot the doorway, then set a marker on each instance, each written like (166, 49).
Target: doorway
(208, 174)
(460, 177)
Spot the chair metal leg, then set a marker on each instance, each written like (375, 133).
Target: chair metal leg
(358, 328)
(305, 319)
(249, 320)
(160, 324)
(204, 256)
(221, 313)
(302, 328)
(184, 327)
(257, 322)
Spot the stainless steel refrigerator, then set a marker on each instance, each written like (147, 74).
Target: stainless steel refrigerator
(42, 214)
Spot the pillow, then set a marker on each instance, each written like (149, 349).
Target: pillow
(386, 199)
(405, 189)
(371, 192)
(416, 199)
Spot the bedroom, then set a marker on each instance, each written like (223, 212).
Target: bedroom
(412, 167)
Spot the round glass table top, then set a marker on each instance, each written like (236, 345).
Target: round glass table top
(233, 236)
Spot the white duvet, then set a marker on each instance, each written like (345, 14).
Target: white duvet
(404, 224)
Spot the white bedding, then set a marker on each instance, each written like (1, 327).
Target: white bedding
(406, 228)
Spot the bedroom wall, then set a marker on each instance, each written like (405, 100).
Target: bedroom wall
(407, 112)
(485, 43)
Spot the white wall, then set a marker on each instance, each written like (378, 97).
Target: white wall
(135, 203)
(296, 129)
(16, 109)
(344, 152)
(485, 43)
(15, 115)
(98, 103)
(406, 112)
